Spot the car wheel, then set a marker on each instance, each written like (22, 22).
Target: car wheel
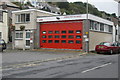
(111, 52)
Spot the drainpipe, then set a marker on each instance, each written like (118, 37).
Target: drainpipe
(114, 33)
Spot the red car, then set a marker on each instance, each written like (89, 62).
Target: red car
(108, 47)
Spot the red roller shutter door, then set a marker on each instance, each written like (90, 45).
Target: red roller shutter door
(61, 35)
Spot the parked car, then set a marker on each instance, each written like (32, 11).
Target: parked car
(108, 47)
(2, 45)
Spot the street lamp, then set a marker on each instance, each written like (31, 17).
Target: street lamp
(87, 30)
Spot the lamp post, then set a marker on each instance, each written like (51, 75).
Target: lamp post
(87, 29)
(87, 9)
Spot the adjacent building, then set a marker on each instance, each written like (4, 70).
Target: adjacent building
(4, 25)
(6, 9)
(27, 38)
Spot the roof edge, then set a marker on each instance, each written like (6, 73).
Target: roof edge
(34, 10)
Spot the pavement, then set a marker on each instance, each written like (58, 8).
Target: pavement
(13, 57)
(19, 57)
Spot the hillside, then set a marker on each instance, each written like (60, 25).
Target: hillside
(75, 8)
(80, 8)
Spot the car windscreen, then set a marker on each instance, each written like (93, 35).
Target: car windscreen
(105, 43)
(1, 41)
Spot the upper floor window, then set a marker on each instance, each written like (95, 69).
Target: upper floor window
(110, 29)
(22, 18)
(94, 25)
(1, 16)
(106, 27)
(101, 27)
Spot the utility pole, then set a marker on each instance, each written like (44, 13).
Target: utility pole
(87, 31)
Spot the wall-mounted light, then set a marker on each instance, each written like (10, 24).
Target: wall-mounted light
(57, 18)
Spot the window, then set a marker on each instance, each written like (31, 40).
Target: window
(50, 36)
(78, 42)
(43, 41)
(57, 32)
(106, 28)
(50, 41)
(70, 31)
(27, 17)
(50, 32)
(44, 32)
(101, 27)
(43, 36)
(63, 36)
(63, 41)
(70, 41)
(78, 37)
(110, 28)
(96, 26)
(57, 36)
(27, 34)
(78, 31)
(105, 43)
(27, 42)
(22, 18)
(70, 36)
(91, 25)
(19, 35)
(56, 41)
(2, 41)
(1, 16)
(63, 32)
(0, 35)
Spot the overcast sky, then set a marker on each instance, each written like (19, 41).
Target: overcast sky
(109, 6)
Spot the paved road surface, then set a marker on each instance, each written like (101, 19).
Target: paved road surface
(87, 66)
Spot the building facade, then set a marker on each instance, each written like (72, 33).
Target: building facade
(4, 25)
(74, 32)
(25, 38)
(40, 29)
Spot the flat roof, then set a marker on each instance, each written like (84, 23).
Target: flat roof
(27, 10)
(74, 17)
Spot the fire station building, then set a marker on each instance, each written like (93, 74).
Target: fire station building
(73, 31)
(47, 30)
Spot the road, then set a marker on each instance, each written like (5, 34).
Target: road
(85, 66)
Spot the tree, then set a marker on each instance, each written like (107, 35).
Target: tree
(64, 5)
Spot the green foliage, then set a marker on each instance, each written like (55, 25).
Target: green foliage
(74, 8)
(63, 5)
(80, 8)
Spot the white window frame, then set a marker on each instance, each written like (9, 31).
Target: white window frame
(18, 19)
(18, 32)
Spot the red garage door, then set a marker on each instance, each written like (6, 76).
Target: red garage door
(61, 35)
